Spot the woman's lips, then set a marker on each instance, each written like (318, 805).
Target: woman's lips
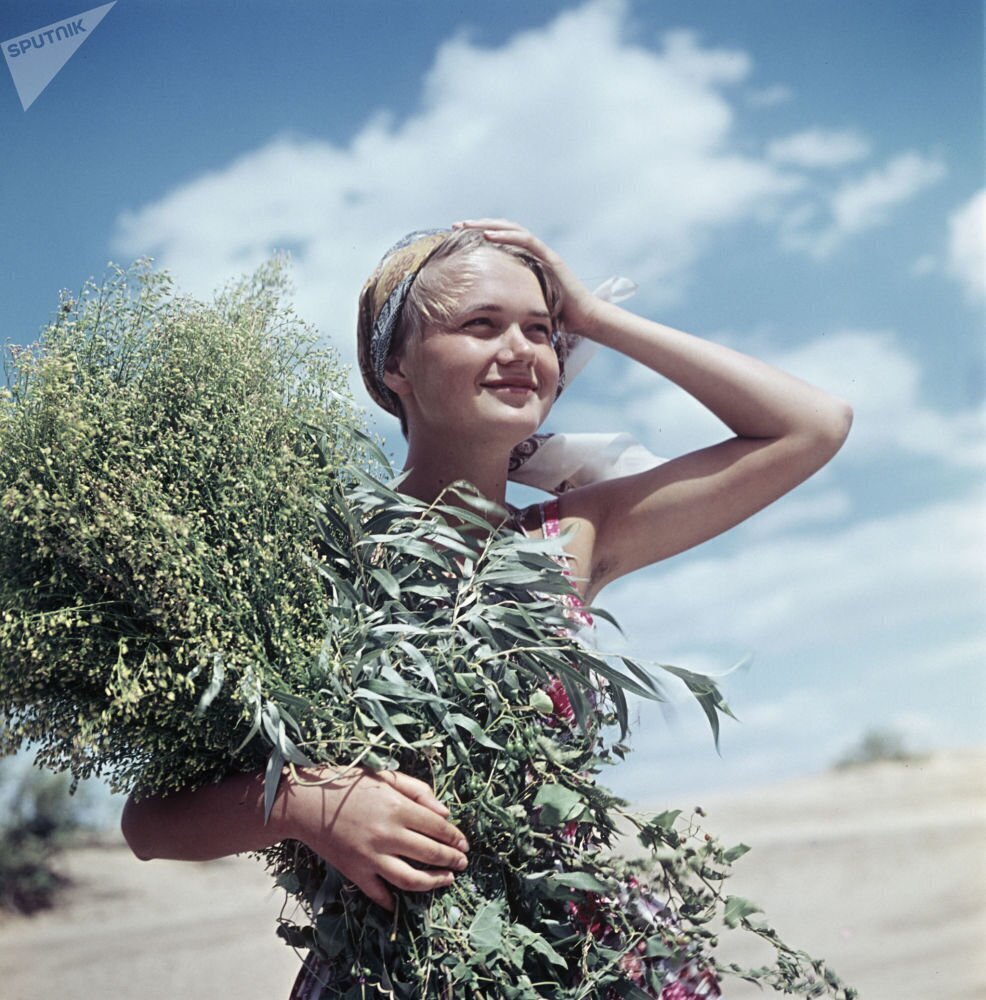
(509, 388)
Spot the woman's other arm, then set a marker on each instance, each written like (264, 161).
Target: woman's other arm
(367, 825)
(785, 430)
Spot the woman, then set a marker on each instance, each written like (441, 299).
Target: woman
(458, 339)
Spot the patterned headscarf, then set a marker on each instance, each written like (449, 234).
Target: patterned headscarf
(381, 306)
(552, 462)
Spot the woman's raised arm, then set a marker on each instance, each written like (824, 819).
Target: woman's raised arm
(785, 430)
(368, 825)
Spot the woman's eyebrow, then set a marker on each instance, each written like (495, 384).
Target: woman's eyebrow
(493, 307)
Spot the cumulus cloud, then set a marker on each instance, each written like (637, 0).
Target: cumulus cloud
(903, 571)
(769, 97)
(850, 630)
(817, 147)
(639, 140)
(810, 507)
(967, 247)
(634, 168)
(861, 204)
(882, 380)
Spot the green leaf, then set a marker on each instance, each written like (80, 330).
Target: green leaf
(272, 779)
(558, 804)
(737, 909)
(666, 819)
(585, 881)
(486, 930)
(474, 730)
(386, 580)
(734, 853)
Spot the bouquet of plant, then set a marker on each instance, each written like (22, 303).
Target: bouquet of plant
(203, 571)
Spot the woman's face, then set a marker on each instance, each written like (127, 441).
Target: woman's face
(492, 372)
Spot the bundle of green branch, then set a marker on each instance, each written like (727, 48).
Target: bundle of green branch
(200, 576)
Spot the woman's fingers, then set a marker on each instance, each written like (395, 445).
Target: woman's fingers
(440, 830)
(431, 823)
(375, 827)
(579, 305)
(507, 231)
(417, 833)
(416, 847)
(376, 888)
(419, 791)
(401, 875)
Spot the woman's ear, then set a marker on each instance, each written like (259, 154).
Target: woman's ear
(394, 376)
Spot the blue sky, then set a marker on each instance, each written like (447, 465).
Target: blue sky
(802, 180)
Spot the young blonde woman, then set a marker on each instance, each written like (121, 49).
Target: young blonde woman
(464, 335)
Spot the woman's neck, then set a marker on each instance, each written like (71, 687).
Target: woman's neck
(432, 467)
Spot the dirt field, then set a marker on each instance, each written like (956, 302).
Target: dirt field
(880, 870)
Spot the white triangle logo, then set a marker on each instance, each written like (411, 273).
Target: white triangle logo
(34, 59)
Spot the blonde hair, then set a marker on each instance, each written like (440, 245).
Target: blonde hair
(436, 290)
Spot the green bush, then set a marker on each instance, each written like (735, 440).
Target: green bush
(875, 746)
(38, 817)
(156, 489)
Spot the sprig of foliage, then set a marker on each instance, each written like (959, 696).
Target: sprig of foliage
(448, 655)
(155, 511)
(198, 575)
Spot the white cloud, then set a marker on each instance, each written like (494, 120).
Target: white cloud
(925, 264)
(865, 203)
(967, 246)
(634, 168)
(680, 176)
(817, 147)
(868, 625)
(882, 381)
(769, 97)
(898, 574)
(861, 204)
(813, 507)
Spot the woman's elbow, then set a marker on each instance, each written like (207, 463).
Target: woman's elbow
(136, 826)
(838, 423)
(823, 433)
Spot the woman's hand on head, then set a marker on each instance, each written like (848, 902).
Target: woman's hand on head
(578, 303)
(374, 828)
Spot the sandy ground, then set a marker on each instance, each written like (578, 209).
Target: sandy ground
(881, 870)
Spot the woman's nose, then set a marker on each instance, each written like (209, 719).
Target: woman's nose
(514, 343)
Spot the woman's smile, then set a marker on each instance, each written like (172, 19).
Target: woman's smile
(512, 388)
(496, 346)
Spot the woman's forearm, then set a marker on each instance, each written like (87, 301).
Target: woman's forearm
(375, 828)
(754, 399)
(209, 822)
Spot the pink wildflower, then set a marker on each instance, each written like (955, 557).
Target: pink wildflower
(559, 698)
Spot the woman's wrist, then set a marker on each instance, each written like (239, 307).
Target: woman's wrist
(290, 816)
(596, 320)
